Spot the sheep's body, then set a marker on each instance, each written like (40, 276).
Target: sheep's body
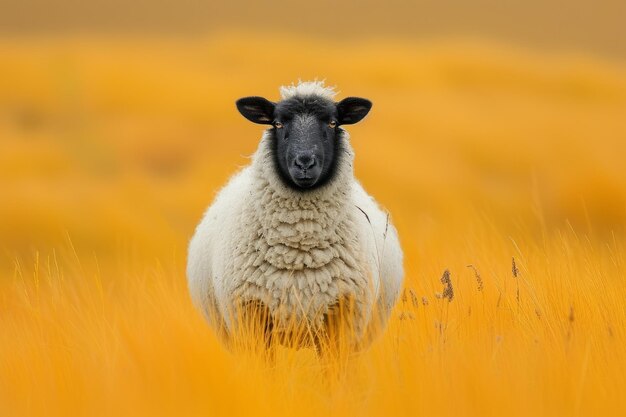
(298, 253)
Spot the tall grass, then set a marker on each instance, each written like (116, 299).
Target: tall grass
(502, 169)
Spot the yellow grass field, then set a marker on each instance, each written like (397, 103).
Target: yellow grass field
(111, 148)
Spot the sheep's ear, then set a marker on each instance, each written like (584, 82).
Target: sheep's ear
(352, 109)
(256, 109)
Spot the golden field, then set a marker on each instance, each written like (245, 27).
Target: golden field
(112, 148)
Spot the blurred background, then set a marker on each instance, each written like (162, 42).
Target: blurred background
(117, 119)
(576, 25)
(498, 131)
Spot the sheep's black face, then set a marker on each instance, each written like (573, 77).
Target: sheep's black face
(307, 137)
(306, 141)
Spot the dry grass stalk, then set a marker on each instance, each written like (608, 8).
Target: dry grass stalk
(515, 272)
(479, 280)
(448, 290)
(570, 319)
(414, 299)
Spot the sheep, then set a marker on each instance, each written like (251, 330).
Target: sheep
(294, 235)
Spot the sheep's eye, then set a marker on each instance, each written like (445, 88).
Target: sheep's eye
(332, 124)
(278, 125)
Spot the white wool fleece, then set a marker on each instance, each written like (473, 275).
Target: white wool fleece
(297, 252)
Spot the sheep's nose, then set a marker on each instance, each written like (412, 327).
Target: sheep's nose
(305, 160)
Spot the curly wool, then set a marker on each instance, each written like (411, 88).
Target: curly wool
(297, 252)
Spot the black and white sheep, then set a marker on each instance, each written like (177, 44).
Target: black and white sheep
(295, 232)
